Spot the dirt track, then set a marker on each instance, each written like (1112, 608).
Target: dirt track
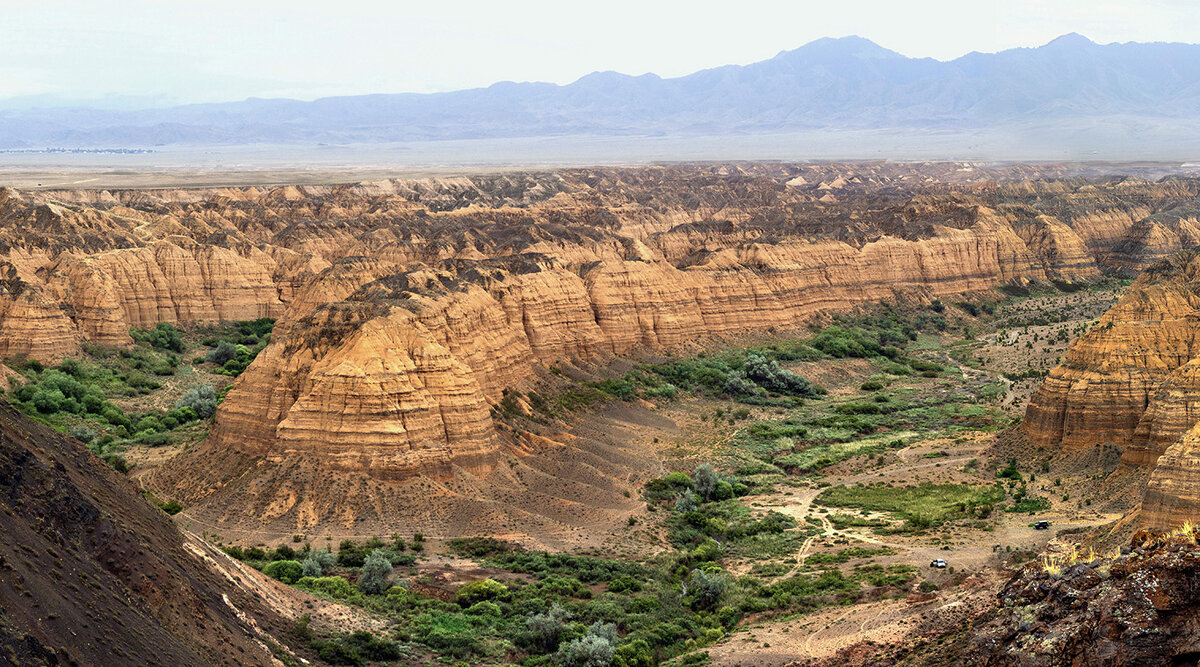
(971, 553)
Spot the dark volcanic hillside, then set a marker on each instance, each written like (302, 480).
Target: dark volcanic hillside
(92, 574)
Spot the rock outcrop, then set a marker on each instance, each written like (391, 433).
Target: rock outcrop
(1134, 609)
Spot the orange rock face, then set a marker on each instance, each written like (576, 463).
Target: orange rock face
(1134, 379)
(1173, 490)
(406, 308)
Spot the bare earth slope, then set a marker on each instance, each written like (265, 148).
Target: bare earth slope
(92, 574)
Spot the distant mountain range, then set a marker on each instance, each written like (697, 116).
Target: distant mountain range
(830, 84)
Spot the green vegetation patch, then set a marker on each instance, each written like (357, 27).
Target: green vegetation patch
(921, 506)
(235, 345)
(845, 555)
(823, 455)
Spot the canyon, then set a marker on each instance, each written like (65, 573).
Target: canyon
(1132, 380)
(407, 309)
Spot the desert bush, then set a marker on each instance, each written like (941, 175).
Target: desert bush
(83, 433)
(376, 575)
(480, 591)
(311, 567)
(704, 481)
(201, 398)
(545, 628)
(667, 487)
(163, 336)
(587, 651)
(333, 586)
(224, 352)
(706, 589)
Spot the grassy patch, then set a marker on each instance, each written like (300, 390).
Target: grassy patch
(823, 455)
(921, 506)
(845, 555)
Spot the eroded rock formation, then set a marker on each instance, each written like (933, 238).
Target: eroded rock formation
(1134, 379)
(406, 308)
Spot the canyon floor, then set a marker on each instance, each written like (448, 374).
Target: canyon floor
(987, 342)
(980, 558)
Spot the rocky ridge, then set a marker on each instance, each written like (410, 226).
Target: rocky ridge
(92, 574)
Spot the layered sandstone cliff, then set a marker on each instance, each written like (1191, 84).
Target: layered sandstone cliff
(1134, 379)
(394, 381)
(406, 308)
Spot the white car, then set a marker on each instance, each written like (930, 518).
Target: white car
(938, 563)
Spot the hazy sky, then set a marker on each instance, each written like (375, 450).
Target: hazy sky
(218, 50)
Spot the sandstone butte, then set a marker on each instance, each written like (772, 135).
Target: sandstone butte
(406, 308)
(1134, 379)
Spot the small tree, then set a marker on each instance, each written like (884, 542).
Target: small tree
(545, 628)
(591, 650)
(376, 575)
(706, 589)
(705, 480)
(324, 558)
(311, 567)
(223, 352)
(686, 503)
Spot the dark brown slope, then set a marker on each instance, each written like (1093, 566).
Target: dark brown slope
(92, 574)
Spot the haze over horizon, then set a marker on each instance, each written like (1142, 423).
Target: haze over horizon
(142, 54)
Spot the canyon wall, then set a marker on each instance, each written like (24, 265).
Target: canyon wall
(1134, 379)
(406, 308)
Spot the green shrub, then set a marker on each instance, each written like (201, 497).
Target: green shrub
(636, 653)
(83, 433)
(667, 487)
(163, 336)
(624, 584)
(480, 591)
(311, 567)
(223, 353)
(334, 586)
(287, 571)
(587, 651)
(544, 629)
(172, 507)
(706, 589)
(484, 608)
(149, 423)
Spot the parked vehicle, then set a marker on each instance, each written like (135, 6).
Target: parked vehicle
(1042, 525)
(938, 563)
